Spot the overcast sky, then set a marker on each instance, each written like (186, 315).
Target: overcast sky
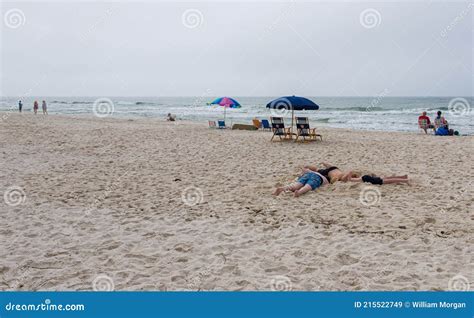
(237, 49)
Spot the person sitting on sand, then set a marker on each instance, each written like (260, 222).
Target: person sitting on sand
(171, 117)
(330, 172)
(425, 123)
(309, 180)
(373, 179)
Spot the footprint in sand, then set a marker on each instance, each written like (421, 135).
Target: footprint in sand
(346, 259)
(182, 247)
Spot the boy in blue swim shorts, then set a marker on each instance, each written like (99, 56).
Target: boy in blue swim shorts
(309, 180)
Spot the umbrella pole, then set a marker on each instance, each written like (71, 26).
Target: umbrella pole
(225, 109)
(292, 116)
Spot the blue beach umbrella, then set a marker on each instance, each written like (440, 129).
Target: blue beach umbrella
(226, 102)
(292, 103)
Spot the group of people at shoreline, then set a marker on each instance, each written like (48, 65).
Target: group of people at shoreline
(44, 107)
(313, 177)
(440, 125)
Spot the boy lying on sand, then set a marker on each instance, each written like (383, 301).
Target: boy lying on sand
(309, 180)
(373, 179)
(330, 172)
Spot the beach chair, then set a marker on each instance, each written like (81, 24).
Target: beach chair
(423, 125)
(212, 124)
(221, 124)
(257, 123)
(278, 127)
(303, 130)
(266, 125)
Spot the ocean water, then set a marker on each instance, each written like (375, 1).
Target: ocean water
(366, 113)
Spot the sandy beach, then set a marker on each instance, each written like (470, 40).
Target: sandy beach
(144, 204)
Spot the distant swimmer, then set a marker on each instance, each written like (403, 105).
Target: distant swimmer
(20, 105)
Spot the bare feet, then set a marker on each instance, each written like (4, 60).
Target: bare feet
(278, 191)
(296, 194)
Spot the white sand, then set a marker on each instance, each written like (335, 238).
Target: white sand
(104, 197)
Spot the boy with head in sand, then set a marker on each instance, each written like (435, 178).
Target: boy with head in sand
(309, 180)
(330, 172)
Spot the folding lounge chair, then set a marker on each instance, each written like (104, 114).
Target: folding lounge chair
(221, 124)
(423, 125)
(256, 123)
(278, 127)
(212, 124)
(266, 125)
(303, 129)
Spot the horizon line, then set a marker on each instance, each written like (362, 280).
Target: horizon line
(244, 96)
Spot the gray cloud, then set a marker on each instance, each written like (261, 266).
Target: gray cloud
(242, 49)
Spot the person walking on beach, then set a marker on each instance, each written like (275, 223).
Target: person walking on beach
(20, 105)
(35, 107)
(309, 180)
(45, 108)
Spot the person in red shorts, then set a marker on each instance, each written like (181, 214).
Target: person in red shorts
(425, 123)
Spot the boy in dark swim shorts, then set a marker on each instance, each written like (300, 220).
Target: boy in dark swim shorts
(309, 180)
(378, 180)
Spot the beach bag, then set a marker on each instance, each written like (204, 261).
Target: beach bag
(442, 131)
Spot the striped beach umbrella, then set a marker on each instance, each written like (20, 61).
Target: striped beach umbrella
(226, 102)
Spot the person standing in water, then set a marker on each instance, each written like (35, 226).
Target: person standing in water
(35, 106)
(45, 108)
(20, 105)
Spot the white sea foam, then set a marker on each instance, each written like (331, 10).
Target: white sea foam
(390, 113)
